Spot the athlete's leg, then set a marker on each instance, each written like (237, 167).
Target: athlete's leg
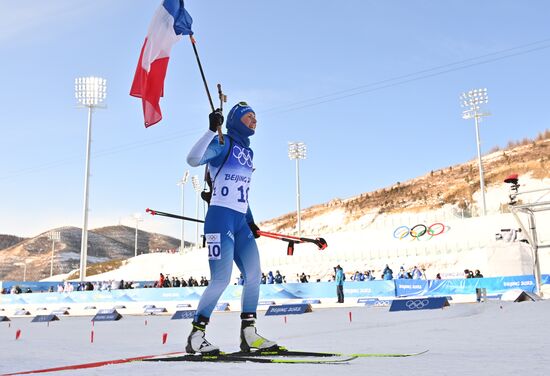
(218, 230)
(247, 259)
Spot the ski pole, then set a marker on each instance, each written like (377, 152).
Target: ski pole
(193, 43)
(320, 242)
(291, 240)
(156, 212)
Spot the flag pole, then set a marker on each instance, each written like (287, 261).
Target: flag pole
(193, 43)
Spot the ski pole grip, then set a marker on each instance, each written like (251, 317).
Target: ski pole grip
(223, 98)
(221, 140)
(321, 243)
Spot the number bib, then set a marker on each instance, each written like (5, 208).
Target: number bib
(231, 186)
(214, 246)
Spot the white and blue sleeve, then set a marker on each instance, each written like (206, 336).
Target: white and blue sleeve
(204, 150)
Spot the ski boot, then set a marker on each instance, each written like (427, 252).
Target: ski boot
(196, 343)
(250, 339)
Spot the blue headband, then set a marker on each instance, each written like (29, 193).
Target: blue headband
(237, 112)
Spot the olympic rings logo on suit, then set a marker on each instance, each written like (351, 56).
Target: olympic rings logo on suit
(242, 155)
(420, 230)
(417, 304)
(213, 238)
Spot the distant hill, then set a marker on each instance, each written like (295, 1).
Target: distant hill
(453, 185)
(104, 244)
(7, 241)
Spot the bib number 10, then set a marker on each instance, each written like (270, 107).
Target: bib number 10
(214, 251)
(214, 246)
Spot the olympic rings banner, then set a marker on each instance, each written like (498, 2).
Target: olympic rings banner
(418, 304)
(420, 231)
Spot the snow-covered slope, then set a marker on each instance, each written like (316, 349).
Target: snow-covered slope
(371, 242)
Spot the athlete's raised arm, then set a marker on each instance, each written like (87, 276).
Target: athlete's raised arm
(205, 150)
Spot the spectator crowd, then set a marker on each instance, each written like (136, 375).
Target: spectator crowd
(165, 281)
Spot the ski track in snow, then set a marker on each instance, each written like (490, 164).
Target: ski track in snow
(462, 338)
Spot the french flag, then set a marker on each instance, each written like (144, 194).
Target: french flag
(170, 22)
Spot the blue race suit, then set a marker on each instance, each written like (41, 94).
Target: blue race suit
(226, 229)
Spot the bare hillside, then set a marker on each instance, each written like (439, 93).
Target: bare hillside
(7, 241)
(454, 185)
(104, 244)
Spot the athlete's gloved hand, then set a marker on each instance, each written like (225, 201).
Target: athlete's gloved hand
(254, 228)
(216, 120)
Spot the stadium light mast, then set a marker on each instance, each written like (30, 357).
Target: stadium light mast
(24, 270)
(297, 151)
(53, 236)
(471, 101)
(182, 183)
(90, 92)
(137, 218)
(198, 189)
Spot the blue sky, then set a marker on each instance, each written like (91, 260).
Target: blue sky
(372, 88)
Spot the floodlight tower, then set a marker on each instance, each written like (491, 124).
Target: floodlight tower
(53, 236)
(471, 101)
(137, 218)
(297, 151)
(90, 92)
(198, 189)
(24, 264)
(182, 183)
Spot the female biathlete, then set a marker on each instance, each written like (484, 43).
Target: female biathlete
(229, 226)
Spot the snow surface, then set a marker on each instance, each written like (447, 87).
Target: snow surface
(492, 338)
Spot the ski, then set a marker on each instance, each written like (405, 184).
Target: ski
(281, 355)
(282, 351)
(388, 355)
(230, 358)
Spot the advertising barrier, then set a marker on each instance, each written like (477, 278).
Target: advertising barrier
(183, 315)
(304, 292)
(45, 318)
(496, 285)
(411, 287)
(288, 309)
(418, 304)
(107, 315)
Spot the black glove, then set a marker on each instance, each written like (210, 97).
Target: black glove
(254, 228)
(216, 120)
